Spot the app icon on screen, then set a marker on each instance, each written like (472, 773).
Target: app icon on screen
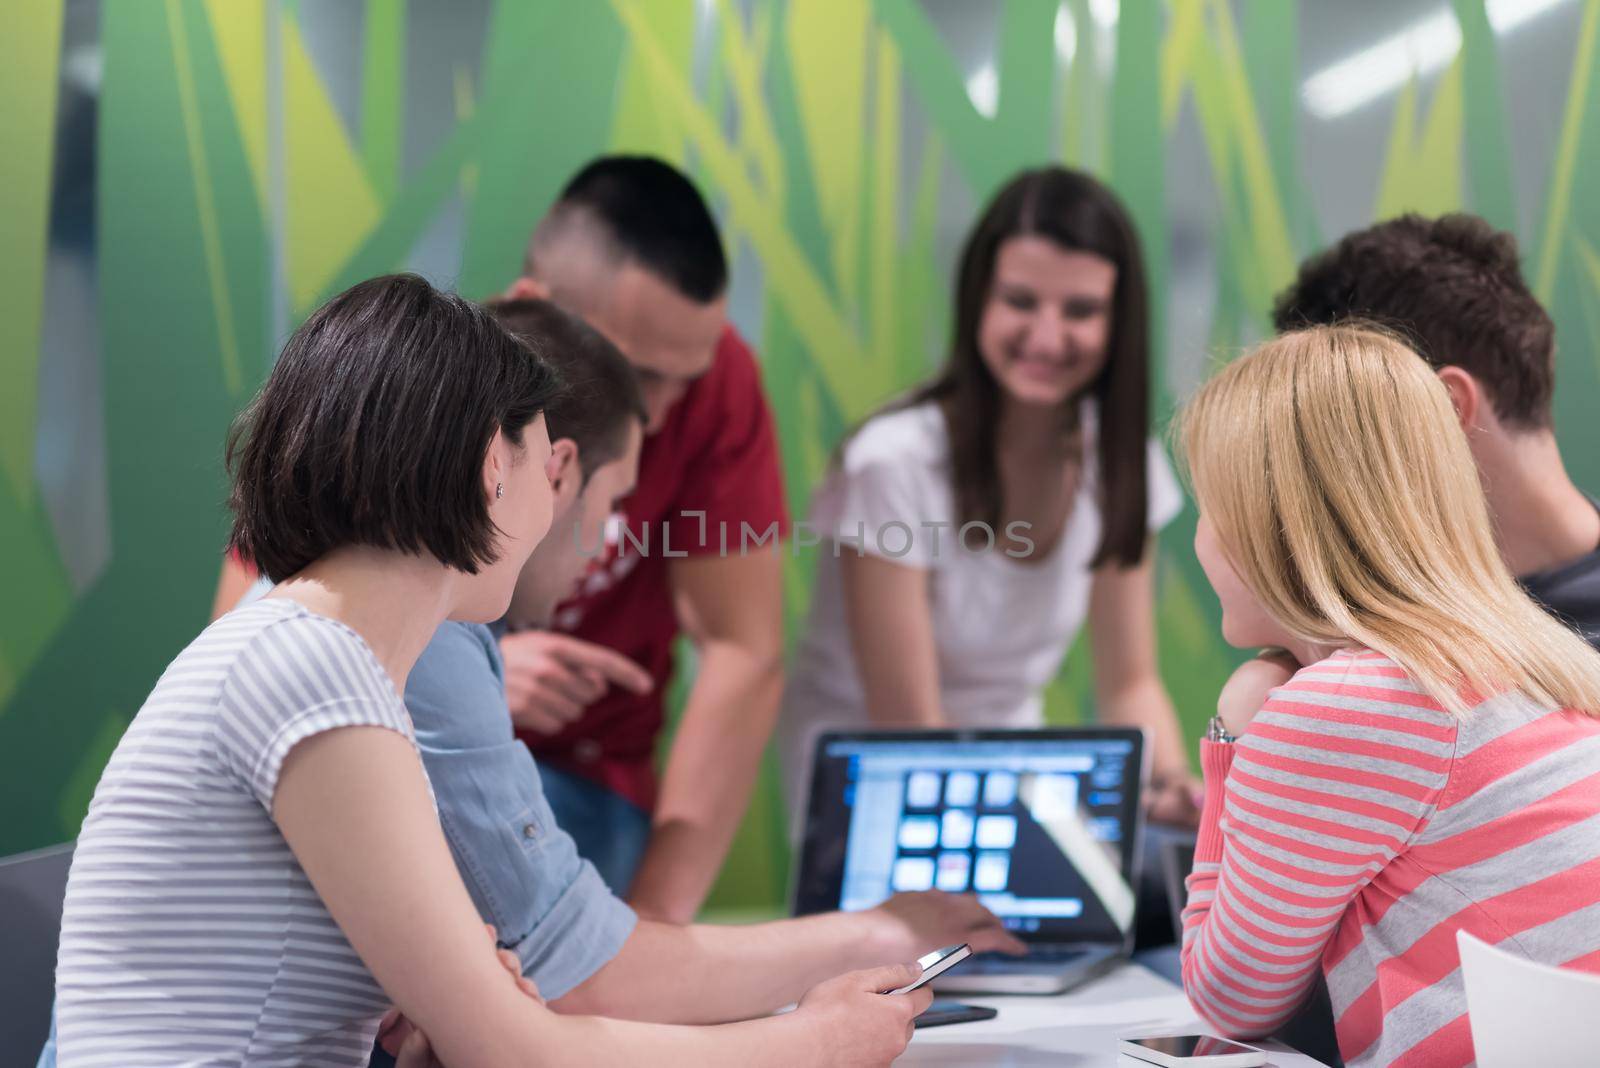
(997, 832)
(919, 832)
(922, 789)
(953, 871)
(913, 873)
(989, 875)
(956, 831)
(999, 789)
(961, 789)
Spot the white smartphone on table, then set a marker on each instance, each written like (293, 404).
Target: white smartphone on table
(1193, 1051)
(936, 964)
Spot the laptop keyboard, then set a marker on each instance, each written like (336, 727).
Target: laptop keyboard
(1036, 955)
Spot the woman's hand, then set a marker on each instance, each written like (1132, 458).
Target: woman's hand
(1247, 688)
(1174, 799)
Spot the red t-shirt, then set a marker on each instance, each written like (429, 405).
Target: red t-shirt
(716, 453)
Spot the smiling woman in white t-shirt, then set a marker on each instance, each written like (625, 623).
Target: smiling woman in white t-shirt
(971, 527)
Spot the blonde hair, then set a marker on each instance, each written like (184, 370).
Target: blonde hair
(1333, 468)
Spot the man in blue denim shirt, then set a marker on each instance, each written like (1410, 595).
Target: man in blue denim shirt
(582, 946)
(547, 904)
(585, 948)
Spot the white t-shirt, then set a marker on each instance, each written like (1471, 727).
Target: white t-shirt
(1001, 625)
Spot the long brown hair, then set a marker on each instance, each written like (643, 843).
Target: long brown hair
(1072, 210)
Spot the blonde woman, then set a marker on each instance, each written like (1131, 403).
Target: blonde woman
(1436, 765)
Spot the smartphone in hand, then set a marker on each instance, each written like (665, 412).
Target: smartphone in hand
(936, 964)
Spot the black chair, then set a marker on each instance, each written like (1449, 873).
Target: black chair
(32, 886)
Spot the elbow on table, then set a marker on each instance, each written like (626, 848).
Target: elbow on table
(1230, 1026)
(1226, 1027)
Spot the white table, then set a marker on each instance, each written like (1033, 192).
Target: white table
(1078, 1028)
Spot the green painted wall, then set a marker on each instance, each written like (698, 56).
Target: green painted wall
(251, 157)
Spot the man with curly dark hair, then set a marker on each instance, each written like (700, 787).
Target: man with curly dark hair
(1453, 287)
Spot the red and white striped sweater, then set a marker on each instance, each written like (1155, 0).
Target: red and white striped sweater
(1357, 826)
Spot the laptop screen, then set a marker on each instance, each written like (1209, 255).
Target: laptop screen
(1039, 824)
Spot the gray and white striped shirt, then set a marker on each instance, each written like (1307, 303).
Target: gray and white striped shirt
(191, 935)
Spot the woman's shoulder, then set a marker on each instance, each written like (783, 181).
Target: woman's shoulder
(1354, 667)
(286, 654)
(894, 469)
(913, 435)
(291, 674)
(1362, 691)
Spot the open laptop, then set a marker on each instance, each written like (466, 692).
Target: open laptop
(1042, 825)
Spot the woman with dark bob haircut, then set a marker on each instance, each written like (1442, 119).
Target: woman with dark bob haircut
(980, 520)
(262, 873)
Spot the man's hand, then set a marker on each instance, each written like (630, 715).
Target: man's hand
(1247, 688)
(852, 1022)
(915, 923)
(551, 678)
(409, 1047)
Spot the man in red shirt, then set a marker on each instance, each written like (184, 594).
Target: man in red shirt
(631, 247)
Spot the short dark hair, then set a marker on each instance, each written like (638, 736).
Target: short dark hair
(600, 395)
(1453, 288)
(657, 219)
(373, 426)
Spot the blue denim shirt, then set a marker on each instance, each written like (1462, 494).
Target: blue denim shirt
(548, 904)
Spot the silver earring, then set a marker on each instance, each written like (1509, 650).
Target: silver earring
(499, 490)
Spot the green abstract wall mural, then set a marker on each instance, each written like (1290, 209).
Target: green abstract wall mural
(185, 179)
